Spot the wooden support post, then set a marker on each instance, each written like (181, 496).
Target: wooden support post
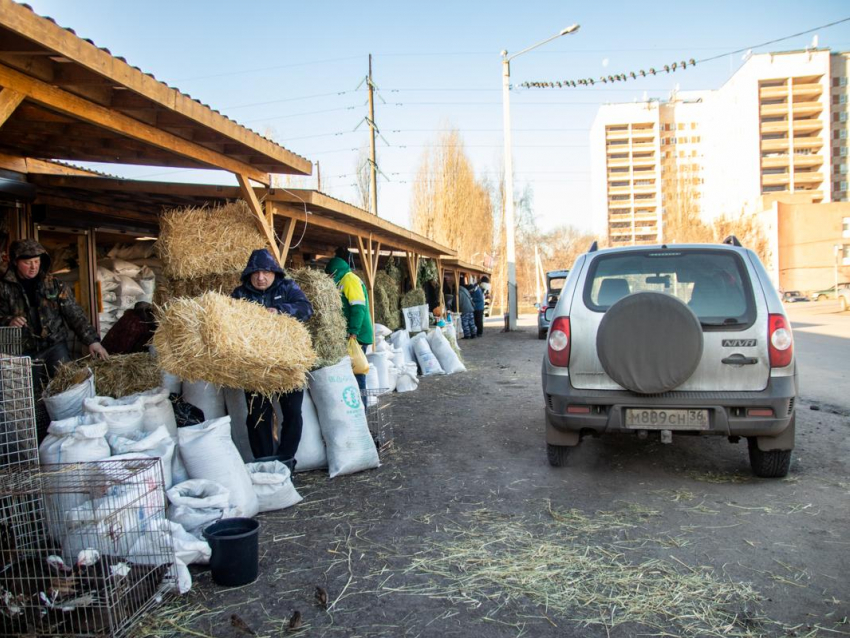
(412, 267)
(457, 293)
(440, 296)
(286, 239)
(368, 258)
(9, 101)
(262, 223)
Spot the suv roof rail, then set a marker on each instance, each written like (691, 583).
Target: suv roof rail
(593, 247)
(731, 240)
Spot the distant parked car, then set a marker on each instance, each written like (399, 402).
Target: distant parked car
(555, 280)
(672, 340)
(828, 293)
(844, 299)
(793, 296)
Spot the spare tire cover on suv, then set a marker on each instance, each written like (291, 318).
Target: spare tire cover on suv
(649, 342)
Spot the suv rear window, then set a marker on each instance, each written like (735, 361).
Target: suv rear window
(557, 284)
(714, 284)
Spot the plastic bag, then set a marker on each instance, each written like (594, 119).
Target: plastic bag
(359, 363)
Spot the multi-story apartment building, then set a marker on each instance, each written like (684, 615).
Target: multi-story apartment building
(780, 124)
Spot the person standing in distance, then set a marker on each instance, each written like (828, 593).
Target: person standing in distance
(265, 283)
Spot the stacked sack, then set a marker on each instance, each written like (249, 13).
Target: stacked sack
(128, 275)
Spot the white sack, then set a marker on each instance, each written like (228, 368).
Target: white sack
(237, 410)
(342, 418)
(158, 410)
(128, 287)
(156, 444)
(427, 360)
(209, 453)
(392, 378)
(70, 402)
(407, 380)
(311, 454)
(382, 331)
(172, 382)
(401, 340)
(273, 485)
(125, 268)
(379, 361)
(121, 416)
(415, 318)
(442, 349)
(79, 439)
(197, 502)
(187, 550)
(206, 396)
(372, 380)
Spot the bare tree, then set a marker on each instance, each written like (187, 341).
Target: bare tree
(362, 172)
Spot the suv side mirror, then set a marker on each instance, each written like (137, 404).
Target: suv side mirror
(537, 305)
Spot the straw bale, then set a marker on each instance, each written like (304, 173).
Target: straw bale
(118, 376)
(234, 343)
(169, 288)
(204, 241)
(412, 298)
(327, 325)
(387, 294)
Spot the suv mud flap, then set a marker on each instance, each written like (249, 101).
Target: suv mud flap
(555, 436)
(785, 440)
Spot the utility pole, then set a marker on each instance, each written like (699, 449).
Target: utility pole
(373, 160)
(537, 271)
(318, 177)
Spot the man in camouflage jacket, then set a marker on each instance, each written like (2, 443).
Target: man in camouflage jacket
(33, 299)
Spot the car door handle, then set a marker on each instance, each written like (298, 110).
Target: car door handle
(740, 360)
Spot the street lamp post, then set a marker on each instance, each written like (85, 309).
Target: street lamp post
(509, 176)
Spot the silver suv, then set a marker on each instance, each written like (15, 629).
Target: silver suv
(684, 339)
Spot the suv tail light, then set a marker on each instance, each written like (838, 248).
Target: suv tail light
(781, 342)
(543, 309)
(559, 342)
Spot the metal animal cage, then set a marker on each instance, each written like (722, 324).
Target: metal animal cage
(379, 416)
(11, 341)
(85, 548)
(11, 344)
(18, 439)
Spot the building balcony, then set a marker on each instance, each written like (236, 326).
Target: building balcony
(617, 134)
(806, 91)
(643, 161)
(807, 126)
(774, 127)
(773, 110)
(613, 149)
(620, 232)
(773, 92)
(777, 179)
(618, 162)
(777, 161)
(807, 178)
(807, 142)
(807, 109)
(816, 194)
(644, 189)
(614, 218)
(807, 161)
(646, 230)
(646, 217)
(646, 146)
(619, 206)
(619, 190)
(774, 145)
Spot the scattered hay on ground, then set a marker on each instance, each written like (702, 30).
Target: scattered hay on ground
(233, 343)
(194, 242)
(567, 574)
(413, 298)
(719, 477)
(167, 288)
(118, 376)
(387, 295)
(327, 325)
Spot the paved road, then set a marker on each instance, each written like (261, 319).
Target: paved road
(822, 338)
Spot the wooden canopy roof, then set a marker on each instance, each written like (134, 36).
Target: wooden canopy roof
(322, 221)
(65, 98)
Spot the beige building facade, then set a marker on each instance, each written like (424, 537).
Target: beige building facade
(778, 126)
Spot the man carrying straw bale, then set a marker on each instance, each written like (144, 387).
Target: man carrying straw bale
(32, 299)
(264, 283)
(355, 306)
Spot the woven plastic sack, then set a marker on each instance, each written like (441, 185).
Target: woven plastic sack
(442, 349)
(311, 454)
(70, 402)
(122, 416)
(273, 485)
(428, 362)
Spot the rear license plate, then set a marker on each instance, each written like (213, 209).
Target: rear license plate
(652, 419)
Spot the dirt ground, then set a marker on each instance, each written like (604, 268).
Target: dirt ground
(465, 530)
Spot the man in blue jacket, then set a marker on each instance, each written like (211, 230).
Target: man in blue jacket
(478, 308)
(264, 282)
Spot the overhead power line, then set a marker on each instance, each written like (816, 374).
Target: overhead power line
(667, 68)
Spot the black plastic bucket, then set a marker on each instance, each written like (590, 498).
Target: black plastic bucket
(235, 551)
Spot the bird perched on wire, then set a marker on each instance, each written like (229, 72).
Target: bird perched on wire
(321, 597)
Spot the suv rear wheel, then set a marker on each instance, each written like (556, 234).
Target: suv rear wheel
(771, 464)
(557, 454)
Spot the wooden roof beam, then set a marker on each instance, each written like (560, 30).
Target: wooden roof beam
(9, 101)
(65, 102)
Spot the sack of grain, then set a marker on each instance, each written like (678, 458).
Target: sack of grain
(122, 416)
(311, 454)
(428, 363)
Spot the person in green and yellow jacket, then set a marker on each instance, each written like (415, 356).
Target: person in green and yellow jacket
(355, 306)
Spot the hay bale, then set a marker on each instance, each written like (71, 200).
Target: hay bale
(233, 343)
(327, 325)
(168, 288)
(118, 376)
(194, 242)
(413, 298)
(387, 295)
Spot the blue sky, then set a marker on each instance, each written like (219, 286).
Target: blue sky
(291, 69)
